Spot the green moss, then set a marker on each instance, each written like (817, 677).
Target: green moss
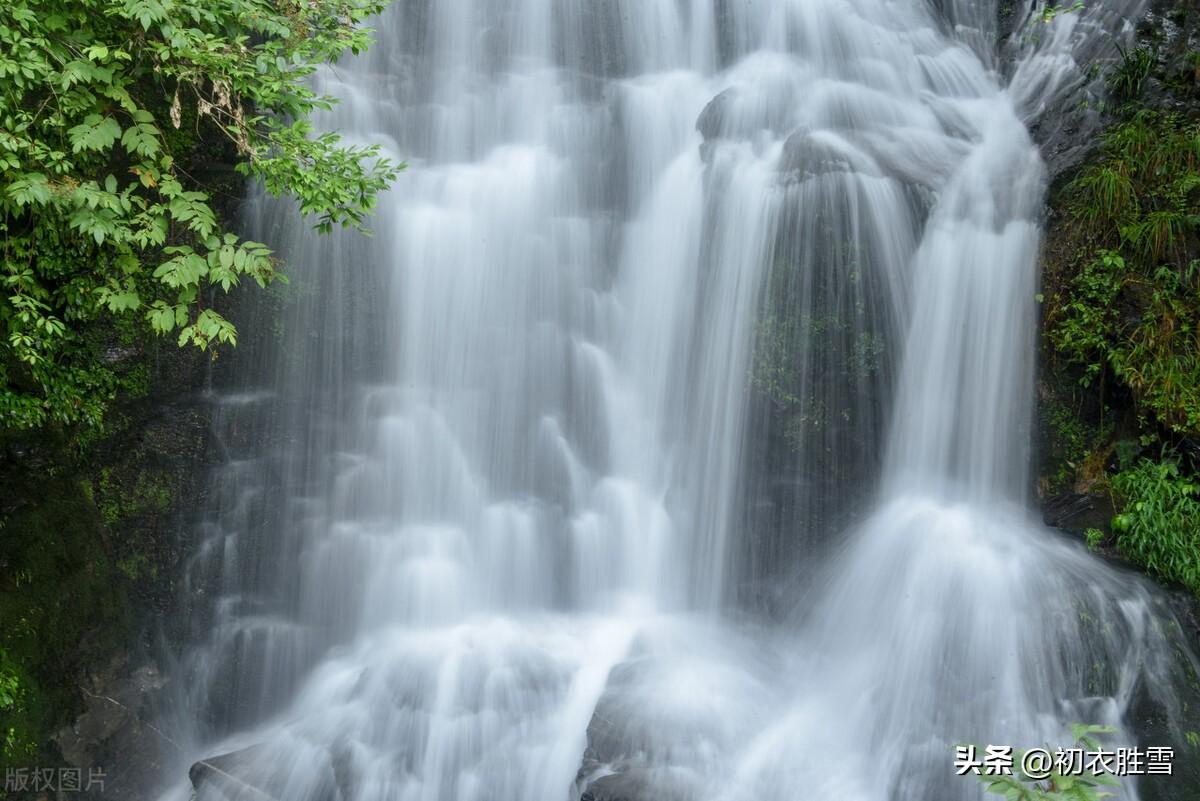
(137, 565)
(16, 741)
(120, 496)
(1071, 446)
(60, 601)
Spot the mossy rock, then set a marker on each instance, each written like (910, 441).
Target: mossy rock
(60, 602)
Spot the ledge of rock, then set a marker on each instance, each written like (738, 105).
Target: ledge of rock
(230, 776)
(261, 773)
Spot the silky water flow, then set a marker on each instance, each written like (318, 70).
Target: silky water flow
(481, 532)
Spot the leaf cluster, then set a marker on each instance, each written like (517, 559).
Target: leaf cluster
(99, 217)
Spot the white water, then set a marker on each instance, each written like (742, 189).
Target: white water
(482, 535)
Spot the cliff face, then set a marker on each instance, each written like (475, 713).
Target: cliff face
(1117, 446)
(1093, 414)
(94, 529)
(90, 551)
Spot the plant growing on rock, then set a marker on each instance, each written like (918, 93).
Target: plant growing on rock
(1122, 313)
(1159, 525)
(1132, 307)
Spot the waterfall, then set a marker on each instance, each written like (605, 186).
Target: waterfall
(484, 527)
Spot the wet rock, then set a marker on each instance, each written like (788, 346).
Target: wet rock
(806, 155)
(746, 113)
(712, 120)
(638, 784)
(1161, 716)
(116, 733)
(231, 776)
(259, 773)
(1077, 512)
(118, 355)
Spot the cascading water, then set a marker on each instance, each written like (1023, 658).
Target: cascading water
(481, 530)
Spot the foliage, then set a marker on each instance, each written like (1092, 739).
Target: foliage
(1122, 306)
(1057, 786)
(105, 104)
(1071, 446)
(1132, 309)
(11, 696)
(1159, 525)
(1131, 75)
(1088, 321)
(61, 603)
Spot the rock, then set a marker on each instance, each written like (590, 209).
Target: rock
(228, 775)
(1160, 715)
(745, 113)
(261, 773)
(1077, 512)
(806, 155)
(637, 784)
(117, 355)
(116, 732)
(712, 120)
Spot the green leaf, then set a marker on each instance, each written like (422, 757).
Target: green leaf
(94, 133)
(29, 189)
(146, 12)
(185, 269)
(118, 302)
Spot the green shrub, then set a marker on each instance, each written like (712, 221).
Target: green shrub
(1159, 523)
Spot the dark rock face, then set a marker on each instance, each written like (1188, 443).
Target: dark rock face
(95, 533)
(116, 732)
(1077, 512)
(153, 476)
(1171, 30)
(1069, 133)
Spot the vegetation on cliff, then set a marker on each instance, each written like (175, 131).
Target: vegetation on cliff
(127, 129)
(1122, 318)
